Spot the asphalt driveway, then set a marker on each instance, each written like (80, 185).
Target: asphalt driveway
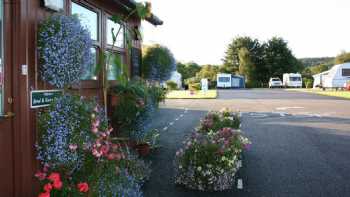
(301, 143)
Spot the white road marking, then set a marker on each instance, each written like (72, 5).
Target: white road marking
(165, 128)
(181, 115)
(285, 108)
(176, 119)
(239, 163)
(258, 115)
(240, 184)
(171, 123)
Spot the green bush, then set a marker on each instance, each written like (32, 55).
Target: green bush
(194, 86)
(171, 85)
(157, 63)
(308, 83)
(136, 103)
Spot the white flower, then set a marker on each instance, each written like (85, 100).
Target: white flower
(199, 168)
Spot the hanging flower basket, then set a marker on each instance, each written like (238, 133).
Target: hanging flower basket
(64, 47)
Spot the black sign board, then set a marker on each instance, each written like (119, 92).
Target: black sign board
(43, 98)
(135, 62)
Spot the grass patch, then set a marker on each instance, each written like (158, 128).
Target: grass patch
(339, 93)
(186, 94)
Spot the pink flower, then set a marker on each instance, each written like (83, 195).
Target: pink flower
(73, 147)
(40, 175)
(96, 153)
(104, 149)
(46, 167)
(96, 123)
(96, 109)
(83, 187)
(94, 129)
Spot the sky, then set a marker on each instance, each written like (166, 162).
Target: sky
(200, 30)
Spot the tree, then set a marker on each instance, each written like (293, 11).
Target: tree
(157, 63)
(279, 59)
(231, 60)
(209, 72)
(188, 70)
(342, 58)
(246, 66)
(318, 69)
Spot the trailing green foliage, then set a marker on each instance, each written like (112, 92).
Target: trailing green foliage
(136, 103)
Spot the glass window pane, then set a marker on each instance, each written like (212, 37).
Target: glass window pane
(89, 72)
(115, 27)
(1, 60)
(114, 68)
(88, 18)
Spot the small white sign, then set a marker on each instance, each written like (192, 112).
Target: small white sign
(204, 83)
(240, 184)
(24, 69)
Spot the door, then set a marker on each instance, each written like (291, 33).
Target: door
(6, 118)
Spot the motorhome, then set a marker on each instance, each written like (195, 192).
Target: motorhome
(225, 80)
(293, 80)
(336, 77)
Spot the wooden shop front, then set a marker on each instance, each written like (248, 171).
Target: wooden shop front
(20, 76)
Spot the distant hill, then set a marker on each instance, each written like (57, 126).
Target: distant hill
(307, 62)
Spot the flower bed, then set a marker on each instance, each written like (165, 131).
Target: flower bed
(210, 157)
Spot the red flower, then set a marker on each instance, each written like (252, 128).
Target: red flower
(104, 149)
(40, 175)
(45, 194)
(47, 187)
(57, 185)
(55, 177)
(83, 187)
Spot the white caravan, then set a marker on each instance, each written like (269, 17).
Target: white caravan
(293, 80)
(336, 77)
(224, 80)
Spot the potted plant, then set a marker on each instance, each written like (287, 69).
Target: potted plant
(143, 148)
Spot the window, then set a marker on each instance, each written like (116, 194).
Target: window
(224, 79)
(101, 26)
(294, 79)
(89, 72)
(114, 68)
(346, 72)
(115, 28)
(88, 18)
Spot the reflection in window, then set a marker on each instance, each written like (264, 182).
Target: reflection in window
(115, 27)
(114, 68)
(88, 18)
(89, 72)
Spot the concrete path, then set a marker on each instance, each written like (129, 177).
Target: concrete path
(301, 143)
